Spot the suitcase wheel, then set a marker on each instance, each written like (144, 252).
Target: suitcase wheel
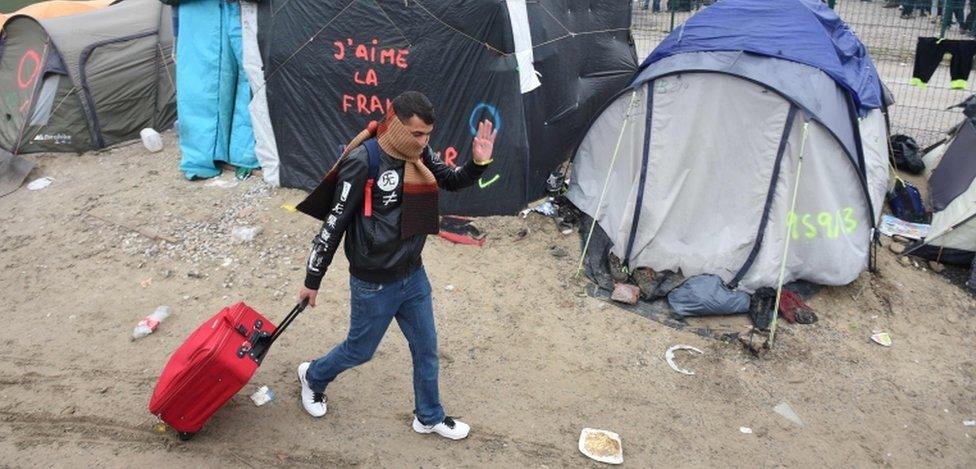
(186, 436)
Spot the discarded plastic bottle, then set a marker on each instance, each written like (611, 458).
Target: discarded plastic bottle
(263, 396)
(151, 140)
(150, 323)
(245, 233)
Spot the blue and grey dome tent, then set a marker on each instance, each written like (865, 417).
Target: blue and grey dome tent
(697, 164)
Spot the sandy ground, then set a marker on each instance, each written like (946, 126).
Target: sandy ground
(527, 359)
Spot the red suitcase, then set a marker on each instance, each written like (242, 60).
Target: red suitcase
(212, 365)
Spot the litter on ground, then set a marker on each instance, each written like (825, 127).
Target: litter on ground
(669, 357)
(601, 445)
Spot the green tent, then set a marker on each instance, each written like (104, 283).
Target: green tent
(86, 81)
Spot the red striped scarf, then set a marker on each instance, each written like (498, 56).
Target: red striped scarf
(419, 210)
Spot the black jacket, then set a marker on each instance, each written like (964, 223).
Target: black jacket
(372, 244)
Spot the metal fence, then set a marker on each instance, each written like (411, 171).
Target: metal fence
(890, 30)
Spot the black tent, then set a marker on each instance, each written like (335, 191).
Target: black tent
(331, 67)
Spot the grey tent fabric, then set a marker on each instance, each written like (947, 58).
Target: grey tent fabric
(812, 90)
(830, 232)
(956, 169)
(706, 295)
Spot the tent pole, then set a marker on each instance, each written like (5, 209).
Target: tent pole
(606, 181)
(789, 229)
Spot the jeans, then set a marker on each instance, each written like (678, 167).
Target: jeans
(956, 8)
(907, 6)
(374, 306)
(657, 5)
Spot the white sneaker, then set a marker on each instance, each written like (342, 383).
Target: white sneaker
(449, 428)
(313, 402)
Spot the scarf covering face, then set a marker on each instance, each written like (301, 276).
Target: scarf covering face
(419, 210)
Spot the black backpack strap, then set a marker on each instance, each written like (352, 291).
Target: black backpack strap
(373, 150)
(373, 154)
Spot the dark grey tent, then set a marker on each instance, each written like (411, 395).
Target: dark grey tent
(951, 166)
(952, 190)
(86, 81)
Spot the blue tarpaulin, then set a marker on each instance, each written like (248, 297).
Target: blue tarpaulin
(803, 31)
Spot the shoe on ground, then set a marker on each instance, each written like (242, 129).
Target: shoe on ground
(449, 428)
(313, 402)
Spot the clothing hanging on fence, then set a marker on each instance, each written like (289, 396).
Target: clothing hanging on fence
(929, 53)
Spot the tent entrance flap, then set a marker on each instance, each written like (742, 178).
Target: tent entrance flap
(784, 139)
(703, 166)
(92, 64)
(45, 100)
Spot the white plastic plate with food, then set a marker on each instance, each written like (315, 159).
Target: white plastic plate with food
(601, 445)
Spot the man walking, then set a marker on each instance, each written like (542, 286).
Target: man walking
(386, 222)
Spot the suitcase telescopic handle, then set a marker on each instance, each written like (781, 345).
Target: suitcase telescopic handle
(262, 344)
(288, 319)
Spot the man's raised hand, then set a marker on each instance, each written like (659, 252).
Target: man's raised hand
(484, 142)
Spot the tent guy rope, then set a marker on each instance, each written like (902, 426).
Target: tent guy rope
(606, 181)
(791, 220)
